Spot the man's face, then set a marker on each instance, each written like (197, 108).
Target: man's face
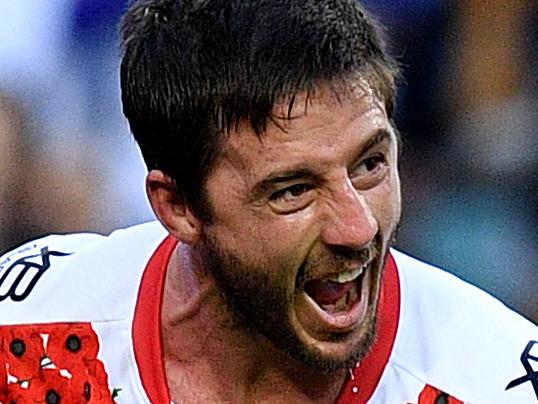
(301, 222)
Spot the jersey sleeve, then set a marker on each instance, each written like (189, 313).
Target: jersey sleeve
(460, 340)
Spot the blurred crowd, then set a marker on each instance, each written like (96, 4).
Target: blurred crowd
(468, 109)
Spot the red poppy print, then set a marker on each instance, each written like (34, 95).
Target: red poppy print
(52, 363)
(3, 379)
(22, 350)
(431, 395)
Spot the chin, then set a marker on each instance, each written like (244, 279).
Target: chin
(336, 350)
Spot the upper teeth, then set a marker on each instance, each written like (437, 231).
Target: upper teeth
(347, 276)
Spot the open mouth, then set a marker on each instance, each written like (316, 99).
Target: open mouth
(338, 302)
(337, 293)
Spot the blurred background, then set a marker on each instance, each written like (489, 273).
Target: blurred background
(468, 113)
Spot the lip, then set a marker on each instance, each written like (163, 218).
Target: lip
(321, 323)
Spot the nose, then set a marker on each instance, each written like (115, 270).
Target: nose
(350, 222)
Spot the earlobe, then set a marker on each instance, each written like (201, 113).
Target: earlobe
(170, 209)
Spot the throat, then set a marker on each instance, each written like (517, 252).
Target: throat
(211, 358)
(230, 375)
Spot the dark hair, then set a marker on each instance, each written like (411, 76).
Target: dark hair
(192, 69)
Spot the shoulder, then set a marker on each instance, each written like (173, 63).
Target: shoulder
(76, 277)
(443, 297)
(456, 337)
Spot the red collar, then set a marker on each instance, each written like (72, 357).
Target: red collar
(364, 379)
(147, 339)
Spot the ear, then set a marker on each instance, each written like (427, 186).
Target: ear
(171, 211)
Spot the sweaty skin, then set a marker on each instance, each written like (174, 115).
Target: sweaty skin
(316, 199)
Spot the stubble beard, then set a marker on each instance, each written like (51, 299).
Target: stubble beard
(259, 305)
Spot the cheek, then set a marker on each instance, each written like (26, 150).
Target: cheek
(385, 202)
(268, 240)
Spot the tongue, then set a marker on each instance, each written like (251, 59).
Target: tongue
(327, 292)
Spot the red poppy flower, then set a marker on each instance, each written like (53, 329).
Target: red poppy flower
(70, 345)
(91, 382)
(431, 395)
(50, 386)
(23, 349)
(51, 362)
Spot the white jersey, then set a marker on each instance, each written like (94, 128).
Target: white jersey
(80, 322)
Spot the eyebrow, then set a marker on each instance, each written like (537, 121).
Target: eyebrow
(378, 137)
(284, 176)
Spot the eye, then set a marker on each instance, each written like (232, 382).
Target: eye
(370, 171)
(292, 198)
(373, 163)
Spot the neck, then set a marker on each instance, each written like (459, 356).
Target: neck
(211, 357)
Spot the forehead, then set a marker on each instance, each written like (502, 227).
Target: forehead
(323, 128)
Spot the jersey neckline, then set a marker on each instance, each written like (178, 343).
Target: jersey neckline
(147, 339)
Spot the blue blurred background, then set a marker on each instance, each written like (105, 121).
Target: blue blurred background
(468, 112)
